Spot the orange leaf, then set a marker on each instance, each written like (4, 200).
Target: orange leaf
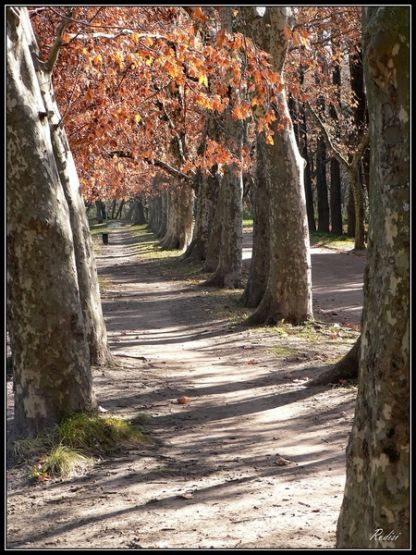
(198, 15)
(220, 38)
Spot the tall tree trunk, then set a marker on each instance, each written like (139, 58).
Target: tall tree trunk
(214, 239)
(308, 172)
(353, 173)
(197, 249)
(321, 186)
(360, 118)
(179, 218)
(51, 358)
(288, 292)
(335, 189)
(113, 208)
(321, 181)
(84, 252)
(260, 257)
(119, 212)
(350, 210)
(228, 271)
(375, 508)
(137, 215)
(207, 188)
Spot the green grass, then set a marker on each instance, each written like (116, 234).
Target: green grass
(283, 351)
(74, 443)
(323, 239)
(61, 462)
(105, 227)
(147, 245)
(247, 222)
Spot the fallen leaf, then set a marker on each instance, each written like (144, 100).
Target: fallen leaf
(184, 400)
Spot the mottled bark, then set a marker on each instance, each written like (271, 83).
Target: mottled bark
(179, 217)
(51, 358)
(197, 249)
(260, 257)
(288, 292)
(376, 498)
(228, 271)
(84, 253)
(214, 239)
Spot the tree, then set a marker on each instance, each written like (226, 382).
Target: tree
(376, 497)
(56, 326)
(288, 292)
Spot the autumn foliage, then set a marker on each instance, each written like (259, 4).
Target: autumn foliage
(130, 81)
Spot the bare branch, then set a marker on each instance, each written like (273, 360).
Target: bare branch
(54, 51)
(163, 165)
(337, 154)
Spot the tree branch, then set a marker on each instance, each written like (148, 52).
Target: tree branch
(163, 165)
(360, 149)
(54, 51)
(327, 138)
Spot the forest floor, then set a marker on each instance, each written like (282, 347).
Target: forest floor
(253, 459)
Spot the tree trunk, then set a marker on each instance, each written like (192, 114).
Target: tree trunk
(197, 249)
(345, 369)
(359, 206)
(214, 239)
(288, 293)
(335, 190)
(119, 212)
(350, 210)
(51, 358)
(308, 173)
(179, 218)
(228, 271)
(260, 258)
(375, 508)
(137, 215)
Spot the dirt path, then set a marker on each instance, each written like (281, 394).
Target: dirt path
(255, 459)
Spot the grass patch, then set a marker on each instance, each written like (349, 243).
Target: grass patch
(61, 462)
(282, 351)
(99, 435)
(147, 244)
(74, 443)
(247, 222)
(323, 239)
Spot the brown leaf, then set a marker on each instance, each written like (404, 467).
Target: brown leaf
(184, 400)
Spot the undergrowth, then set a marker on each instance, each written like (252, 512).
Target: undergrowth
(74, 444)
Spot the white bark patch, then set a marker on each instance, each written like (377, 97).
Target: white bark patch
(403, 115)
(381, 462)
(387, 412)
(396, 49)
(390, 229)
(389, 514)
(34, 407)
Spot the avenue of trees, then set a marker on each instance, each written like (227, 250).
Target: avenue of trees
(180, 118)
